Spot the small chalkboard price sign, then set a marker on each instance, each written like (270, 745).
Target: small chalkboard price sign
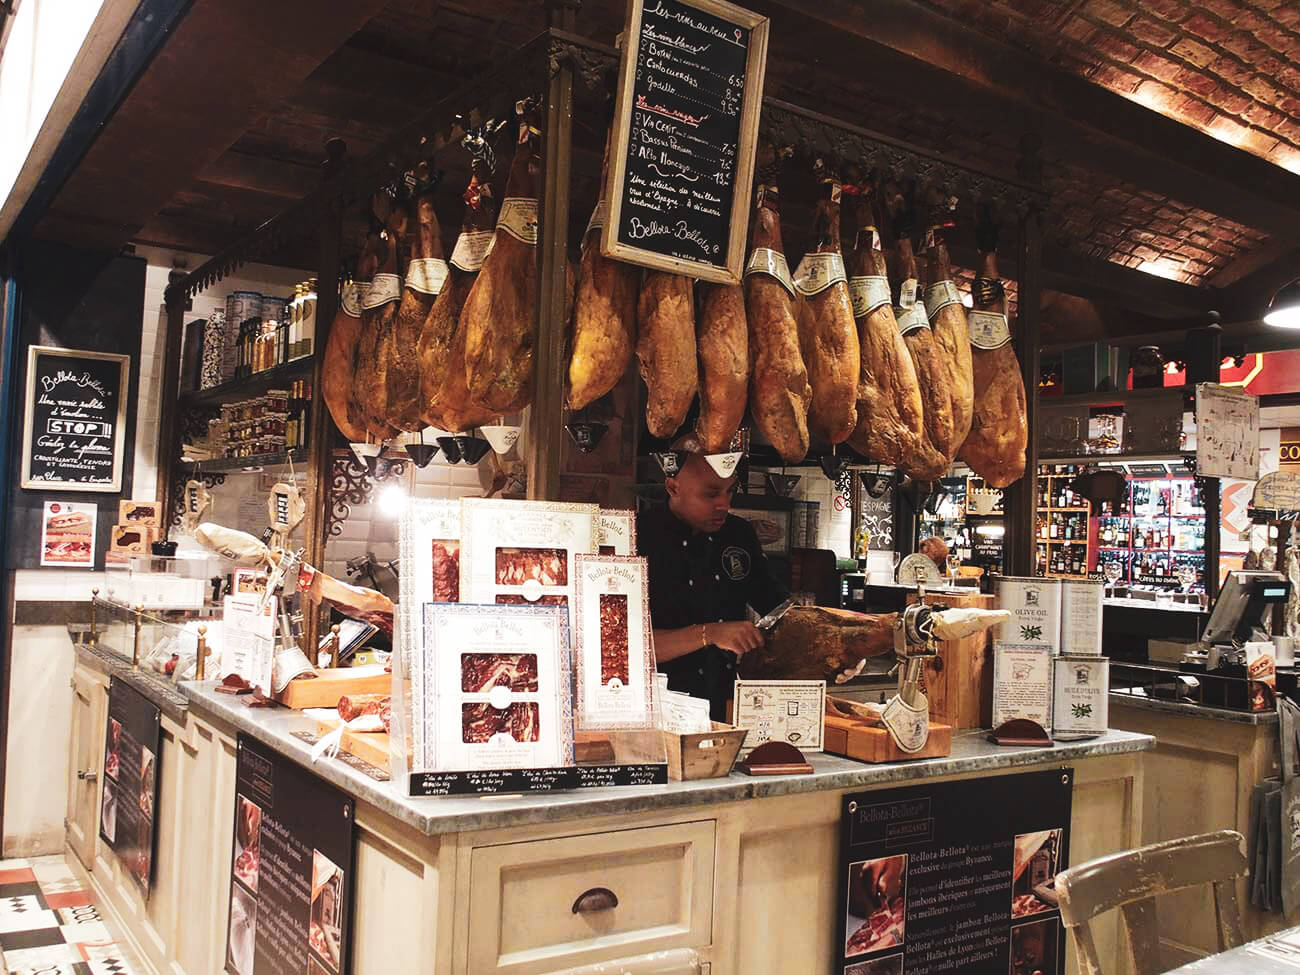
(685, 130)
(75, 419)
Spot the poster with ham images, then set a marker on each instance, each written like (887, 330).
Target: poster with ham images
(131, 754)
(68, 534)
(291, 869)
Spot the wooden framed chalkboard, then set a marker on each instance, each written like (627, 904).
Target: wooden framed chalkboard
(685, 130)
(75, 419)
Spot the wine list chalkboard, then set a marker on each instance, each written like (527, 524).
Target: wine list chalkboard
(75, 419)
(685, 128)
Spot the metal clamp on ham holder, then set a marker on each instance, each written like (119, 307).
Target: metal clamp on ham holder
(907, 714)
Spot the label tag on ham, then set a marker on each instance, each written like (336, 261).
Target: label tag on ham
(599, 217)
(911, 319)
(817, 272)
(385, 288)
(472, 248)
(988, 329)
(767, 261)
(519, 218)
(909, 727)
(907, 292)
(868, 292)
(941, 295)
(352, 296)
(427, 275)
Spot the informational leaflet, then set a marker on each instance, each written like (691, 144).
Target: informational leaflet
(1022, 685)
(793, 711)
(1227, 432)
(291, 869)
(248, 640)
(68, 534)
(130, 794)
(954, 877)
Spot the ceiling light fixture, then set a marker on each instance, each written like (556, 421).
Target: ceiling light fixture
(1284, 309)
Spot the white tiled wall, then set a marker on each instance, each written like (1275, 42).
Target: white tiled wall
(834, 527)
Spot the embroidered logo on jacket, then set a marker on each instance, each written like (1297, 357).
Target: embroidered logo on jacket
(735, 562)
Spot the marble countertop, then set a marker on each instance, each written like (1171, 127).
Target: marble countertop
(155, 687)
(971, 752)
(1192, 710)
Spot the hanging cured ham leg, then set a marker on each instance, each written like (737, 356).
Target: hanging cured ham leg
(948, 315)
(665, 350)
(999, 433)
(937, 447)
(722, 338)
(444, 398)
(604, 316)
(828, 335)
(500, 315)
(424, 279)
(890, 424)
(338, 363)
(378, 313)
(779, 394)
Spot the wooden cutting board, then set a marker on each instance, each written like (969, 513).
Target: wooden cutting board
(370, 746)
(325, 689)
(854, 738)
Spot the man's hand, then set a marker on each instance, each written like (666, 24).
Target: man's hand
(739, 638)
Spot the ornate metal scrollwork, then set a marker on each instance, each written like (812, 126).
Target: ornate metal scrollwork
(352, 483)
(181, 475)
(589, 64)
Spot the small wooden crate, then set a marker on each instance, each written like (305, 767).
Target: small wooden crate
(854, 738)
(325, 689)
(705, 755)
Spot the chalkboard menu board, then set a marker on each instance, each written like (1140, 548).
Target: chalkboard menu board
(131, 755)
(686, 123)
(75, 419)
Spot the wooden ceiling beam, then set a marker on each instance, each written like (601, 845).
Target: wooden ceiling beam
(903, 45)
(242, 170)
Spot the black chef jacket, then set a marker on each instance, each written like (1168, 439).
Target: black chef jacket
(700, 578)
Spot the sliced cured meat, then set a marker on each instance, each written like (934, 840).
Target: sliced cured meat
(356, 705)
(520, 720)
(425, 275)
(722, 341)
(500, 315)
(339, 361)
(480, 672)
(515, 566)
(948, 315)
(604, 316)
(999, 433)
(828, 336)
(665, 350)
(890, 426)
(937, 447)
(779, 393)
(446, 571)
(444, 396)
(613, 638)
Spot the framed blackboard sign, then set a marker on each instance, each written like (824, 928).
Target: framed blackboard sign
(75, 419)
(685, 129)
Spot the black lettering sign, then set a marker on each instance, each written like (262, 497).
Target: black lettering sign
(130, 793)
(292, 872)
(686, 126)
(75, 418)
(558, 778)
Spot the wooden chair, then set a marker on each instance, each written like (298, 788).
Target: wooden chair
(1132, 880)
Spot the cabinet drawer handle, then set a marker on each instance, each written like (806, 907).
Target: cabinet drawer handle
(87, 776)
(595, 899)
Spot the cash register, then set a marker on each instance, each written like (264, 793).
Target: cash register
(1238, 616)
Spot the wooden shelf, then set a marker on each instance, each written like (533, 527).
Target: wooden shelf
(250, 387)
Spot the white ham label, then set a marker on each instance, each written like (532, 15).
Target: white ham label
(909, 727)
(383, 289)
(907, 293)
(472, 248)
(941, 295)
(868, 292)
(599, 217)
(767, 261)
(518, 218)
(426, 275)
(352, 296)
(817, 272)
(911, 319)
(988, 329)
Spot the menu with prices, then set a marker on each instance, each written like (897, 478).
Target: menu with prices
(954, 877)
(793, 711)
(291, 869)
(613, 651)
(130, 794)
(686, 124)
(75, 420)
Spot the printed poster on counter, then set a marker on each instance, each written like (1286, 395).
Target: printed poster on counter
(248, 640)
(68, 534)
(130, 794)
(954, 877)
(781, 710)
(291, 869)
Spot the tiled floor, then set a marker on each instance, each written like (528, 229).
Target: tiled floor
(50, 926)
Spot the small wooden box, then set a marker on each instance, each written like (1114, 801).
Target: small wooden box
(959, 682)
(369, 746)
(136, 513)
(325, 689)
(132, 539)
(854, 738)
(706, 755)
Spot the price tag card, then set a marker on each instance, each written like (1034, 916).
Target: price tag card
(793, 711)
(613, 651)
(496, 691)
